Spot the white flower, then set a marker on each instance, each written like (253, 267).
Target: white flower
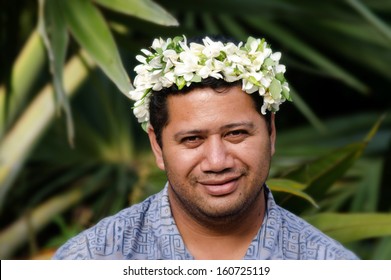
(280, 68)
(249, 87)
(168, 79)
(146, 52)
(276, 56)
(254, 46)
(173, 61)
(212, 68)
(136, 95)
(141, 58)
(265, 81)
(212, 49)
(160, 43)
(141, 111)
(170, 56)
(196, 48)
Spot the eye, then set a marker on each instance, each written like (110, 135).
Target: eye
(236, 132)
(237, 136)
(192, 141)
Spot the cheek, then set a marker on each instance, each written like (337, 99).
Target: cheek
(256, 153)
(181, 162)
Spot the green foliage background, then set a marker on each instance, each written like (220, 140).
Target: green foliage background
(72, 153)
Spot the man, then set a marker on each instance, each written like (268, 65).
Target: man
(208, 107)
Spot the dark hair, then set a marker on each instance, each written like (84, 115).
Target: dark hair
(158, 110)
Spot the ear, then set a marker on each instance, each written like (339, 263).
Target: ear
(156, 149)
(272, 133)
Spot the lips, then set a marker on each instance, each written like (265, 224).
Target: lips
(220, 187)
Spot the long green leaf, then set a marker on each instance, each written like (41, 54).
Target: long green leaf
(321, 173)
(92, 32)
(17, 144)
(359, 31)
(307, 52)
(352, 227)
(25, 71)
(371, 18)
(366, 197)
(291, 187)
(307, 111)
(383, 249)
(17, 233)
(234, 28)
(210, 24)
(144, 9)
(376, 59)
(52, 27)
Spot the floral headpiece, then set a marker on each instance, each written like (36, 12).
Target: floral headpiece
(175, 62)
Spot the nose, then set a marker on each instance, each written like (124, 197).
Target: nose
(216, 155)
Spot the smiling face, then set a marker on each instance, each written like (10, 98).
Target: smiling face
(216, 151)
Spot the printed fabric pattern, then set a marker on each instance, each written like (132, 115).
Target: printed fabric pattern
(148, 231)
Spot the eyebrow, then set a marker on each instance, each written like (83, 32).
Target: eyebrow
(247, 125)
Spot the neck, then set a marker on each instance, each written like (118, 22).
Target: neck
(219, 238)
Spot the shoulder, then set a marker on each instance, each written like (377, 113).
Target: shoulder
(304, 241)
(112, 237)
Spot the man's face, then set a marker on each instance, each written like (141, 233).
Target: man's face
(216, 152)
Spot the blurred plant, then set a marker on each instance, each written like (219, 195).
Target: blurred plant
(21, 127)
(336, 50)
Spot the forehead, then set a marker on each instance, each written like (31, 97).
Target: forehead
(206, 108)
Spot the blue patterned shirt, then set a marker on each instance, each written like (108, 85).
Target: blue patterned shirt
(148, 231)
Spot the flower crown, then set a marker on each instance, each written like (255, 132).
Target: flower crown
(173, 61)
